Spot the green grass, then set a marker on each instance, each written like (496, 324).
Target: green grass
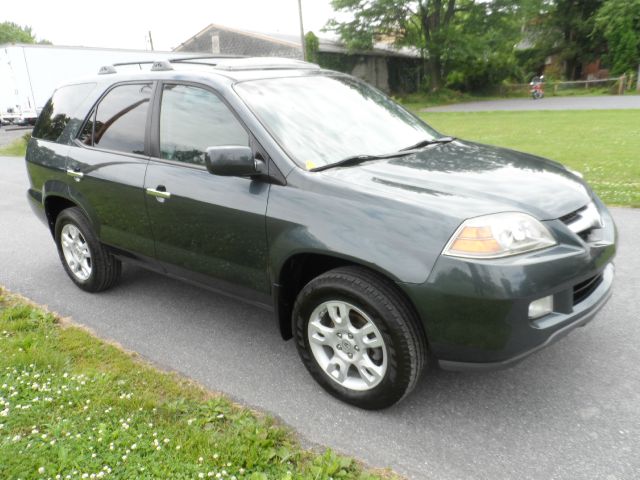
(17, 148)
(603, 145)
(73, 406)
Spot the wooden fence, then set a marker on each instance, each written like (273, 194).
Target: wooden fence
(615, 85)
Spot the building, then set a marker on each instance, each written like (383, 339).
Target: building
(386, 67)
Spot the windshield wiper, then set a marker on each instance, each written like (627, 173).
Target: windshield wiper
(357, 159)
(426, 143)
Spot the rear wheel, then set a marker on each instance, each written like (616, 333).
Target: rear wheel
(358, 337)
(87, 262)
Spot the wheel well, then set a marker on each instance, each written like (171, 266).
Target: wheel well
(299, 270)
(53, 206)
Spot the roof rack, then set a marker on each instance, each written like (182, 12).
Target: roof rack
(223, 62)
(265, 63)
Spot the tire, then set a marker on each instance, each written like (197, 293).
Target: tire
(87, 262)
(359, 338)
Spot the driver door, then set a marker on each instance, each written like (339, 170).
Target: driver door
(207, 228)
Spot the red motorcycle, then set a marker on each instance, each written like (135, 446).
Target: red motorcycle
(536, 91)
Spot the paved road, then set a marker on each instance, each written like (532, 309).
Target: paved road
(570, 412)
(8, 135)
(612, 102)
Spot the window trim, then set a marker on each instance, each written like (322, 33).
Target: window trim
(94, 109)
(154, 149)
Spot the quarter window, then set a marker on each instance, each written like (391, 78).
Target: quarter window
(56, 122)
(120, 120)
(192, 119)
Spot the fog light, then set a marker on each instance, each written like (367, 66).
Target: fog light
(541, 307)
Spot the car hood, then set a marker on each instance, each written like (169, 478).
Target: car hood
(470, 179)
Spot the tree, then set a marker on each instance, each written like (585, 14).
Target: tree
(618, 21)
(571, 34)
(421, 23)
(465, 44)
(13, 33)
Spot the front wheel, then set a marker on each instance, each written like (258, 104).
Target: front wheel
(359, 338)
(87, 262)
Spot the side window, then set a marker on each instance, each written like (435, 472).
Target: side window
(57, 116)
(120, 120)
(192, 119)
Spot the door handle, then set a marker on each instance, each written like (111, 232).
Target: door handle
(76, 175)
(159, 192)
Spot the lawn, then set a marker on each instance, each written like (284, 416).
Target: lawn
(604, 145)
(73, 406)
(17, 148)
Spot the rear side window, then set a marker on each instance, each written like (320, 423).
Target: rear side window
(192, 119)
(119, 121)
(55, 120)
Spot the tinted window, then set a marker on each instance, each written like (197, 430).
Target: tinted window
(192, 119)
(59, 111)
(121, 118)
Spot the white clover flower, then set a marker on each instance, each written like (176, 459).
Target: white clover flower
(200, 460)
(93, 455)
(200, 475)
(134, 446)
(41, 470)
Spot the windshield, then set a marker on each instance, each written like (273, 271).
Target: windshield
(320, 120)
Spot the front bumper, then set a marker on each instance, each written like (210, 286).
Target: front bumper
(476, 312)
(557, 325)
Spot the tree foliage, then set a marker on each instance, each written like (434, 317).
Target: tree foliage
(571, 25)
(618, 21)
(13, 33)
(463, 43)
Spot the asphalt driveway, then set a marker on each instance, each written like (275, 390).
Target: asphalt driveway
(571, 411)
(611, 102)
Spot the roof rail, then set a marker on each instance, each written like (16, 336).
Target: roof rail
(107, 70)
(265, 63)
(221, 61)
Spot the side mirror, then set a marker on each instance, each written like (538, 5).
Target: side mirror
(233, 161)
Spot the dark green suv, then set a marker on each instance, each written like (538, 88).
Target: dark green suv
(377, 242)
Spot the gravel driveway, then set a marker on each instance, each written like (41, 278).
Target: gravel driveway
(569, 412)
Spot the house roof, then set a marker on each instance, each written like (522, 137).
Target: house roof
(326, 45)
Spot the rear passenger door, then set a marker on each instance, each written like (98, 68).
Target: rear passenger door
(206, 227)
(108, 166)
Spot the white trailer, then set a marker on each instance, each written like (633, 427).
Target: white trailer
(30, 73)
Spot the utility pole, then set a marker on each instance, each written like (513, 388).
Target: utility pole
(638, 81)
(302, 42)
(150, 40)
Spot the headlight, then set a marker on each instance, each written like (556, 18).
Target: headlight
(498, 235)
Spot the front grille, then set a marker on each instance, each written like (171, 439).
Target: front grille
(583, 289)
